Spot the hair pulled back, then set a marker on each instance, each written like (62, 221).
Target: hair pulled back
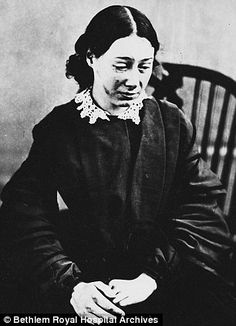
(106, 27)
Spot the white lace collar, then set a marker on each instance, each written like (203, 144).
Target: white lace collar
(89, 109)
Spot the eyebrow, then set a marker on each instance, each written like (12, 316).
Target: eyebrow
(130, 59)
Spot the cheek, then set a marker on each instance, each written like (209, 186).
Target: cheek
(113, 81)
(112, 86)
(108, 77)
(117, 81)
(144, 80)
(146, 77)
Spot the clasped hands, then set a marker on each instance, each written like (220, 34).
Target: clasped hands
(98, 300)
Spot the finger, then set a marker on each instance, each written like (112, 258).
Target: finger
(114, 283)
(88, 315)
(115, 286)
(127, 301)
(120, 296)
(99, 312)
(105, 289)
(107, 304)
(79, 311)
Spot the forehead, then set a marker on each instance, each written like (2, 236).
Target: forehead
(132, 46)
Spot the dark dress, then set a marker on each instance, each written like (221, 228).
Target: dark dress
(140, 199)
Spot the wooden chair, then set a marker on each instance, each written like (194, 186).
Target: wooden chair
(209, 100)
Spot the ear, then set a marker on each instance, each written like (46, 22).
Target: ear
(90, 58)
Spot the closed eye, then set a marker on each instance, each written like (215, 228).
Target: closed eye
(144, 67)
(121, 67)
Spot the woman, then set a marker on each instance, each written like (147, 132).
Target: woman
(144, 224)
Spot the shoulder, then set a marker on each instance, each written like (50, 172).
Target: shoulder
(171, 113)
(172, 109)
(168, 110)
(175, 121)
(55, 121)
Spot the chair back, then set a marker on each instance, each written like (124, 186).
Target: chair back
(209, 99)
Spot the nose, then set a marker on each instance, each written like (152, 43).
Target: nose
(132, 80)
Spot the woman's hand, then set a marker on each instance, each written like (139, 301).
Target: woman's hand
(90, 300)
(133, 291)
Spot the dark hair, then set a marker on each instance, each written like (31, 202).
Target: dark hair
(106, 27)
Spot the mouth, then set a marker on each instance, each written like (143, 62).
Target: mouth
(129, 95)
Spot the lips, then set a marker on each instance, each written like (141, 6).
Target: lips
(129, 95)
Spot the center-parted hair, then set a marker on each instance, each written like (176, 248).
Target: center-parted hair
(105, 28)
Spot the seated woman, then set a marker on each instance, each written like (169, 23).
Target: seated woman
(144, 233)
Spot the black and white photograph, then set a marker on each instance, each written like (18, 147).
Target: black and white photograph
(118, 162)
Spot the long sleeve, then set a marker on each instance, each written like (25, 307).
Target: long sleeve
(200, 230)
(30, 247)
(191, 229)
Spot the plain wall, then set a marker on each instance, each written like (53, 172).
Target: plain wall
(37, 36)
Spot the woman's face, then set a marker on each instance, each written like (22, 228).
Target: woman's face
(122, 73)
